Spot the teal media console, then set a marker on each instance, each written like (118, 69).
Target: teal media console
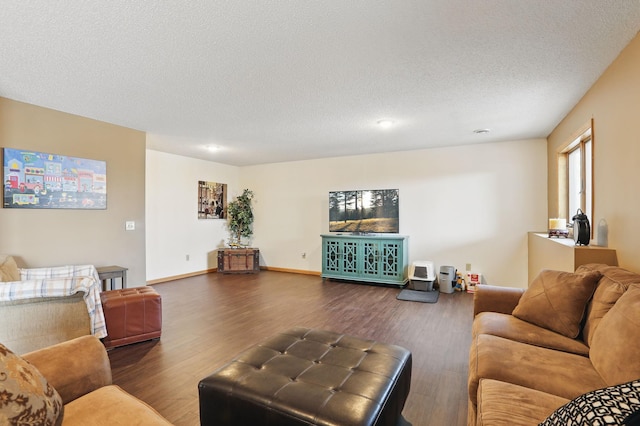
(381, 259)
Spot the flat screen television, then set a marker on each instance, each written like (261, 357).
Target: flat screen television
(364, 211)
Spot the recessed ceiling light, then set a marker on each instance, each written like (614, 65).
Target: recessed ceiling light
(212, 148)
(481, 131)
(385, 124)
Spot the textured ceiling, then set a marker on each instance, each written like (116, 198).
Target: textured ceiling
(271, 81)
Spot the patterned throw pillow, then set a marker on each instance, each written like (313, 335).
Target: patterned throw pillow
(25, 396)
(615, 405)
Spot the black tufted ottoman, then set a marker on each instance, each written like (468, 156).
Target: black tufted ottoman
(309, 377)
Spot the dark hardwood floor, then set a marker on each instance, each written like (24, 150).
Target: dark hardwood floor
(208, 319)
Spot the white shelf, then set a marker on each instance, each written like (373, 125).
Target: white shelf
(561, 254)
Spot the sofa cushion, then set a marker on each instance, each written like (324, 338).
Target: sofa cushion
(556, 300)
(506, 404)
(110, 405)
(513, 328)
(8, 269)
(612, 285)
(26, 397)
(608, 406)
(616, 341)
(547, 370)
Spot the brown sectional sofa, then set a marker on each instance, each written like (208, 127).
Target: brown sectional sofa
(520, 372)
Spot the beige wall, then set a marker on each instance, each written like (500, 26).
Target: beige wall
(44, 237)
(614, 104)
(464, 204)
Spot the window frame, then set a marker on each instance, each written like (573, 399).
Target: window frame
(578, 142)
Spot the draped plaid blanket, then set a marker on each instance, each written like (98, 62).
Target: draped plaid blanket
(60, 281)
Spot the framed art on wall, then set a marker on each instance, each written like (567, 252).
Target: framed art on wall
(39, 180)
(212, 200)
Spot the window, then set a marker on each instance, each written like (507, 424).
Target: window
(575, 175)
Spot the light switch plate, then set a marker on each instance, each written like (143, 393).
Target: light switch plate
(130, 225)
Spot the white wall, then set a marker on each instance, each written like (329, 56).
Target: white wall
(467, 204)
(173, 227)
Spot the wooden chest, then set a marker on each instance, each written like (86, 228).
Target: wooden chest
(239, 260)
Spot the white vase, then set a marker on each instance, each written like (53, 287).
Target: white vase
(602, 235)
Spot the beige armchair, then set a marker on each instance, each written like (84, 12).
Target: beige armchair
(43, 306)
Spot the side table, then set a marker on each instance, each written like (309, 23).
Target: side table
(109, 273)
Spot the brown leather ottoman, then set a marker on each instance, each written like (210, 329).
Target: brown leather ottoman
(132, 315)
(309, 377)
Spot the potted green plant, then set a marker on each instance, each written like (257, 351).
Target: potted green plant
(240, 214)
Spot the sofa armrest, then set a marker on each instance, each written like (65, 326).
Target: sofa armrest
(490, 298)
(75, 367)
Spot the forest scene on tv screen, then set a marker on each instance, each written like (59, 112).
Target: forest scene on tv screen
(364, 211)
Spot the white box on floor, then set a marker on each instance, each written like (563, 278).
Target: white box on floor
(422, 275)
(473, 279)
